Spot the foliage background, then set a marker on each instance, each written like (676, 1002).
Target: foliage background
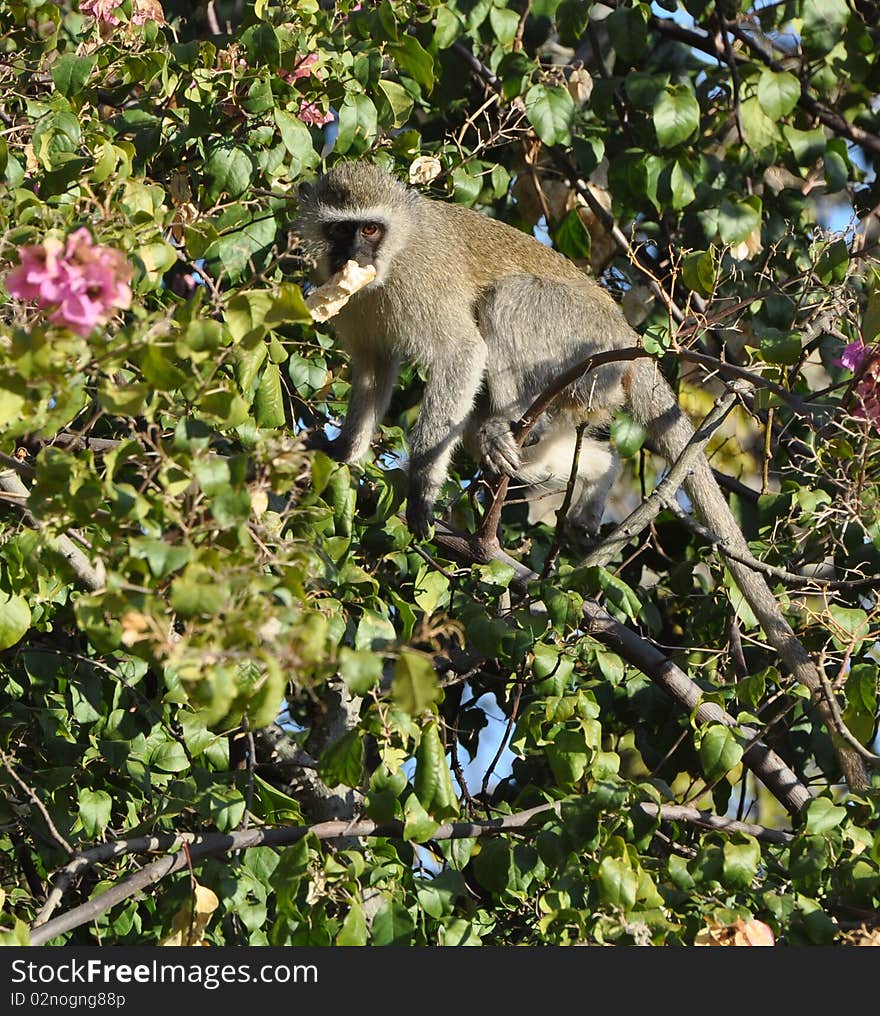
(206, 628)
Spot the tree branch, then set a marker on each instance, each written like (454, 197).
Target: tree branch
(203, 845)
(665, 491)
(93, 577)
(639, 653)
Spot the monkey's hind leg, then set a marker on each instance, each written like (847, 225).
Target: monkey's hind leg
(547, 469)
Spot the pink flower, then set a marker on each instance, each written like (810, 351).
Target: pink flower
(101, 10)
(80, 282)
(311, 113)
(867, 391)
(147, 10)
(142, 11)
(40, 273)
(854, 356)
(302, 69)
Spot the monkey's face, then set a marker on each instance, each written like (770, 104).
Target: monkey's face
(353, 240)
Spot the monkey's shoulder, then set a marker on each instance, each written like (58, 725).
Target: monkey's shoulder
(491, 249)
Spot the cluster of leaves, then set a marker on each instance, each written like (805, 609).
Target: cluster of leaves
(233, 579)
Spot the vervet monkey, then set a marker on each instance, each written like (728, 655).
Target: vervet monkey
(491, 314)
(494, 316)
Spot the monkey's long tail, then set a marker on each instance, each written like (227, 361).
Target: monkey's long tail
(652, 403)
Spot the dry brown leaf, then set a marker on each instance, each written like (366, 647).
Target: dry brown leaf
(424, 169)
(752, 932)
(189, 923)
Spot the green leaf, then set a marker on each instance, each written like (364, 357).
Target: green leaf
(851, 627)
(780, 347)
(400, 102)
(698, 272)
(628, 32)
(269, 401)
(738, 219)
(492, 864)
(760, 133)
(807, 146)
(70, 73)
(504, 24)
(11, 405)
(572, 238)
(360, 670)
(358, 124)
(448, 26)
(354, 927)
(95, 807)
(342, 763)
(197, 592)
(742, 856)
(778, 93)
(628, 435)
(431, 589)
(238, 248)
(550, 109)
(297, 139)
(433, 781)
(719, 750)
(170, 757)
(262, 46)
(414, 687)
(676, 115)
(681, 186)
(228, 169)
(860, 713)
(415, 61)
(618, 883)
(373, 631)
(823, 816)
(572, 19)
(569, 756)
(15, 619)
(418, 826)
(824, 22)
(392, 925)
(288, 306)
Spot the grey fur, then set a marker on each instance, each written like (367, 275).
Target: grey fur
(480, 305)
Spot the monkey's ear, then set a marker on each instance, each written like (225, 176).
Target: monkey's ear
(304, 191)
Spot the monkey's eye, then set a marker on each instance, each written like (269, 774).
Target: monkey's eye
(370, 230)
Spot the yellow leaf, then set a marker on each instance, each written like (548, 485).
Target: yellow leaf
(189, 923)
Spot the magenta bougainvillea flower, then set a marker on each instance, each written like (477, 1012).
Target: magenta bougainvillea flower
(865, 362)
(101, 10)
(79, 281)
(855, 354)
(311, 113)
(142, 11)
(302, 69)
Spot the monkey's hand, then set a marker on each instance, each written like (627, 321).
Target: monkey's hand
(499, 452)
(420, 516)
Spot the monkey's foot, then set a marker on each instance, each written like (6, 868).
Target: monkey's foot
(420, 517)
(499, 452)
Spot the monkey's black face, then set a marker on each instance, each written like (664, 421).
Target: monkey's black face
(349, 240)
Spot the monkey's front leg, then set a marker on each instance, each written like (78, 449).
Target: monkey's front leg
(372, 382)
(453, 382)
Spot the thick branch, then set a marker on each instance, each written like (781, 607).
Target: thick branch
(639, 653)
(92, 576)
(200, 846)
